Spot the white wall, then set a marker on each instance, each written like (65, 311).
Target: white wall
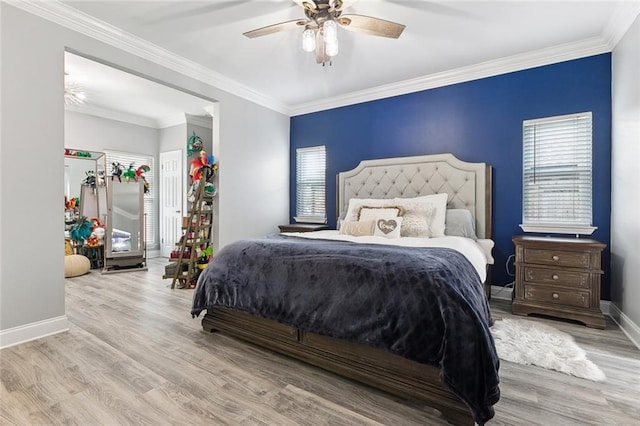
(253, 155)
(253, 180)
(173, 138)
(91, 133)
(625, 179)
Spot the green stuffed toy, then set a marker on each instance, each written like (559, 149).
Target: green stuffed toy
(80, 230)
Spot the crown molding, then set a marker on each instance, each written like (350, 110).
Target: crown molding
(621, 20)
(536, 58)
(200, 120)
(174, 120)
(114, 115)
(73, 19)
(76, 20)
(138, 120)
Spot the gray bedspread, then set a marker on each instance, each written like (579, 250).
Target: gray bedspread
(425, 304)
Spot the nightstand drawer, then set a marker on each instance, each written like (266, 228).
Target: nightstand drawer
(557, 257)
(555, 295)
(558, 277)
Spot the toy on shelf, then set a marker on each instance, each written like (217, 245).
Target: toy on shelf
(93, 240)
(77, 153)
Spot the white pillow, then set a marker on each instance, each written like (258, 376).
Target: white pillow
(388, 228)
(357, 229)
(417, 217)
(437, 202)
(423, 216)
(356, 203)
(375, 213)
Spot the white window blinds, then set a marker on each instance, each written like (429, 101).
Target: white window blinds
(557, 174)
(126, 159)
(310, 184)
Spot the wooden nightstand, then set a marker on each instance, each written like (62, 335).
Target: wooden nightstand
(559, 277)
(302, 227)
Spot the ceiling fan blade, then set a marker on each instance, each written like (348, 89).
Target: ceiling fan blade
(270, 29)
(371, 26)
(343, 4)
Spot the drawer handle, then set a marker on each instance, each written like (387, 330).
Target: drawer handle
(555, 277)
(555, 295)
(556, 257)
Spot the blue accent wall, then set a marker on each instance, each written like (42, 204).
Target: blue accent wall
(477, 121)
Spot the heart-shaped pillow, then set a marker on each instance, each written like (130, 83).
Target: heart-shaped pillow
(387, 225)
(389, 228)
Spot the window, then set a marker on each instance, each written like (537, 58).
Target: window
(126, 159)
(557, 174)
(310, 185)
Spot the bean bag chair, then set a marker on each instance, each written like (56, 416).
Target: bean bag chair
(76, 264)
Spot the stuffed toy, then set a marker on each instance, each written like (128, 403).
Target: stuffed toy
(140, 171)
(80, 230)
(194, 145)
(116, 171)
(199, 163)
(90, 180)
(93, 240)
(129, 174)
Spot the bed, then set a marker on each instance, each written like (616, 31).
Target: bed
(346, 306)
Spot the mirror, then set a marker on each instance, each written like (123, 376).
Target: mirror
(125, 246)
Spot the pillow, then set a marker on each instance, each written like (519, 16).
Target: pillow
(437, 220)
(357, 229)
(423, 216)
(417, 217)
(388, 228)
(356, 203)
(459, 222)
(375, 213)
(340, 219)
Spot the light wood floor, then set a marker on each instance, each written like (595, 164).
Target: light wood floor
(134, 355)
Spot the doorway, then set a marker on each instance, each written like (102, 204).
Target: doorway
(171, 199)
(121, 111)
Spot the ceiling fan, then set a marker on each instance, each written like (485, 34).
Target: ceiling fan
(320, 27)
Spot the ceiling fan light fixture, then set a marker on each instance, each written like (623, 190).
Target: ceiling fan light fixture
(309, 40)
(74, 94)
(330, 31)
(320, 33)
(331, 47)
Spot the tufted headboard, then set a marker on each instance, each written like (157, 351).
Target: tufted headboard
(468, 184)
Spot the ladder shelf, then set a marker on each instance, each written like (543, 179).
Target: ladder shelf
(185, 269)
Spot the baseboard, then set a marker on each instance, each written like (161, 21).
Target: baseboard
(35, 330)
(153, 254)
(628, 327)
(502, 293)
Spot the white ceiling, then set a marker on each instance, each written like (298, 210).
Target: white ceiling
(119, 95)
(444, 42)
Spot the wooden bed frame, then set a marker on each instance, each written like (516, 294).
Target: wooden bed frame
(469, 186)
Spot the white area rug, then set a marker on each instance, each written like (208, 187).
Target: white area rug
(528, 342)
